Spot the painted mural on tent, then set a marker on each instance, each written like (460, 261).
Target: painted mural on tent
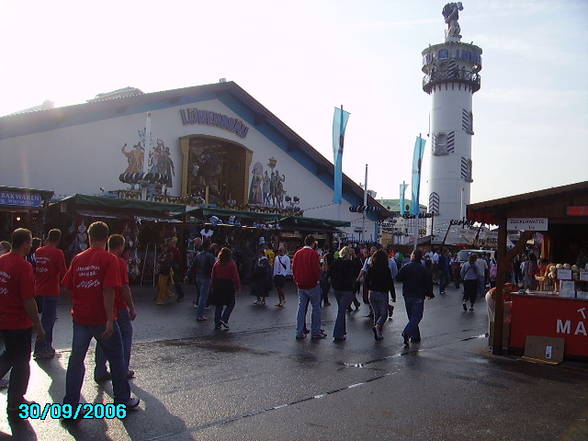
(267, 185)
(161, 168)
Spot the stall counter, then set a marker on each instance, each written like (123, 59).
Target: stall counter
(550, 316)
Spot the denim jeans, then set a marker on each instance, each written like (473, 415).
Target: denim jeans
(414, 310)
(113, 348)
(48, 317)
(16, 356)
(222, 312)
(203, 284)
(344, 299)
(379, 304)
(126, 334)
(306, 296)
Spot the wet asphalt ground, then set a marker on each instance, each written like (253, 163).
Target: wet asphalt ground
(256, 382)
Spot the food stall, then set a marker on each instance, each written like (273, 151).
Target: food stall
(558, 305)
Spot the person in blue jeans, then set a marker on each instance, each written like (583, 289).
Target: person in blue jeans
(125, 308)
(417, 283)
(92, 278)
(379, 282)
(306, 268)
(202, 268)
(343, 272)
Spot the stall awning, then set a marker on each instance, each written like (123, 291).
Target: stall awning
(124, 206)
(551, 203)
(310, 222)
(224, 212)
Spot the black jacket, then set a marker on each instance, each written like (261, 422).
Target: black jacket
(417, 280)
(380, 279)
(343, 274)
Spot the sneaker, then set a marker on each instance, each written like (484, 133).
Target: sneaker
(300, 337)
(471, 309)
(103, 378)
(465, 307)
(224, 324)
(280, 305)
(318, 336)
(130, 374)
(14, 408)
(133, 403)
(45, 355)
(306, 331)
(201, 319)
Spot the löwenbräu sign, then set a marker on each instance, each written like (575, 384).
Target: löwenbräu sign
(197, 116)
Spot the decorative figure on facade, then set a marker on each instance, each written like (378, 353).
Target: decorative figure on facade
(266, 189)
(451, 14)
(256, 188)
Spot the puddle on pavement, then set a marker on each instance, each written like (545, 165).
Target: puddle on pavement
(215, 347)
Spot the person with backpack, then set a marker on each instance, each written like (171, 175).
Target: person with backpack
(261, 279)
(281, 271)
(470, 277)
(380, 284)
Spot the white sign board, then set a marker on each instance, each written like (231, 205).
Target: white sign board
(526, 223)
(564, 274)
(584, 276)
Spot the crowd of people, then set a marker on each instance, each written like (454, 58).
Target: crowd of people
(102, 309)
(103, 306)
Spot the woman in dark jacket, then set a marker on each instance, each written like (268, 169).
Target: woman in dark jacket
(343, 273)
(379, 283)
(225, 285)
(261, 280)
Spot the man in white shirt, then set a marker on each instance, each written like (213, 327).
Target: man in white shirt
(281, 270)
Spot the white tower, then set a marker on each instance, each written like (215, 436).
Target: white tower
(451, 77)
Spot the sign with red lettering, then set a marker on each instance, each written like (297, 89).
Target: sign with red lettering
(550, 317)
(578, 210)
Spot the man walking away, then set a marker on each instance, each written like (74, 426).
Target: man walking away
(49, 271)
(417, 284)
(470, 276)
(92, 279)
(202, 267)
(125, 311)
(306, 268)
(18, 315)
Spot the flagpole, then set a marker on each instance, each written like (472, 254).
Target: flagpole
(365, 195)
(146, 154)
(341, 141)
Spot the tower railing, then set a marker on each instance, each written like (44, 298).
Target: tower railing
(457, 75)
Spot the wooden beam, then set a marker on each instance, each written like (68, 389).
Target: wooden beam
(292, 145)
(259, 119)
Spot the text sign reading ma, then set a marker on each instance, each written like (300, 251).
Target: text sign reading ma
(527, 223)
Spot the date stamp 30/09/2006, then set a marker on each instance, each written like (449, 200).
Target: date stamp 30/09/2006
(35, 411)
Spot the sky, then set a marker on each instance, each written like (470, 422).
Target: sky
(300, 59)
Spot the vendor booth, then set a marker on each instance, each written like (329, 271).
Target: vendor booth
(22, 208)
(555, 222)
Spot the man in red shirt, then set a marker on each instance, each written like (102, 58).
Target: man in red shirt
(92, 279)
(49, 271)
(18, 316)
(306, 268)
(125, 311)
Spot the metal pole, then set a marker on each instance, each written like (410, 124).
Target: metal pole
(146, 154)
(365, 195)
(501, 272)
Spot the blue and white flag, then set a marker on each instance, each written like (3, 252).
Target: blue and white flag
(402, 199)
(417, 160)
(340, 119)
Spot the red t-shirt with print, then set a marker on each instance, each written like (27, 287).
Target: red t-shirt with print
(123, 268)
(91, 272)
(49, 270)
(16, 285)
